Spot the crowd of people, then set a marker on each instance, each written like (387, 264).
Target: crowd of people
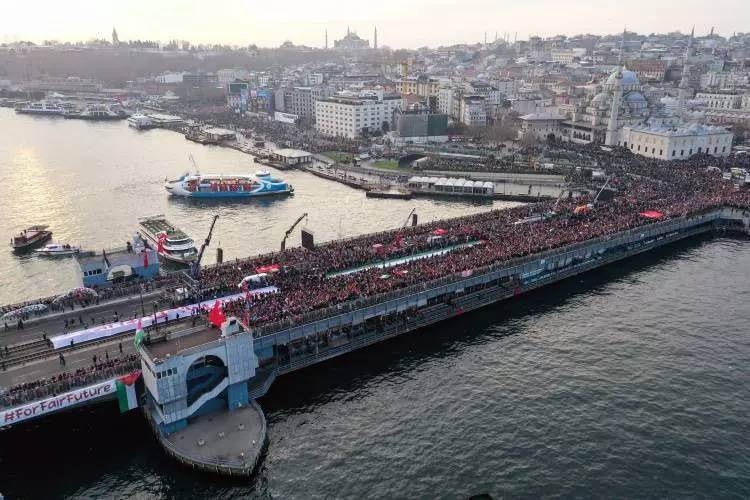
(65, 381)
(304, 281)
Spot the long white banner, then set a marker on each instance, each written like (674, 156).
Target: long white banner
(39, 408)
(102, 331)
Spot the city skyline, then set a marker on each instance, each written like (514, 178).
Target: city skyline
(399, 25)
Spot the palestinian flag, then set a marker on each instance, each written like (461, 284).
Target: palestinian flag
(138, 335)
(126, 391)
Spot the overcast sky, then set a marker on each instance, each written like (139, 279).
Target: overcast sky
(401, 23)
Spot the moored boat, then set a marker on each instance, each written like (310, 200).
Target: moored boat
(54, 249)
(171, 243)
(97, 112)
(29, 237)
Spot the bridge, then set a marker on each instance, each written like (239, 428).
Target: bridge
(198, 383)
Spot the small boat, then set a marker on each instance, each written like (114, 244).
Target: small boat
(54, 249)
(29, 237)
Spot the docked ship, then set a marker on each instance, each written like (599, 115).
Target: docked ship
(96, 112)
(171, 243)
(30, 237)
(140, 122)
(228, 186)
(48, 108)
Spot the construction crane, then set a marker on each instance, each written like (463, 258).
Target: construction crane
(289, 231)
(196, 267)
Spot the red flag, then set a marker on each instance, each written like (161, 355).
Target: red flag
(160, 243)
(145, 259)
(216, 316)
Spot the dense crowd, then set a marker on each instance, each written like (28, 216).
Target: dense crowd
(66, 381)
(675, 189)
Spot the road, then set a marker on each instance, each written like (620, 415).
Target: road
(54, 324)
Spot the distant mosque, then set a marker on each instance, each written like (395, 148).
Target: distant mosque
(115, 38)
(352, 41)
(620, 115)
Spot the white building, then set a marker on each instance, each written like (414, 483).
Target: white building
(352, 115)
(473, 111)
(720, 100)
(567, 56)
(169, 78)
(667, 143)
(225, 76)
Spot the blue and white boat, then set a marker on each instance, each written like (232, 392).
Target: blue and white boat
(228, 186)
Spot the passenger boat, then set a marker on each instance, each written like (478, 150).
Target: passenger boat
(54, 249)
(171, 243)
(228, 186)
(140, 122)
(29, 237)
(97, 112)
(48, 108)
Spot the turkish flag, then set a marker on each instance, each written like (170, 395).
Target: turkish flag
(216, 316)
(145, 259)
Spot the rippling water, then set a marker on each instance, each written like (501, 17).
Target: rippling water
(630, 381)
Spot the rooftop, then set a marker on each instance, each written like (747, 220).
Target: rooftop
(183, 336)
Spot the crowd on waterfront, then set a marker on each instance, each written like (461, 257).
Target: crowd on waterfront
(65, 381)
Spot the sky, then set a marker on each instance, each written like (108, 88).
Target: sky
(401, 23)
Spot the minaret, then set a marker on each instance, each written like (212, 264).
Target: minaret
(684, 91)
(611, 139)
(115, 38)
(326, 38)
(347, 31)
(375, 42)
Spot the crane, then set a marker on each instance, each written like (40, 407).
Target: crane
(408, 217)
(196, 267)
(289, 231)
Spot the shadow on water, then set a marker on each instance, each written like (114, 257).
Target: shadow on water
(350, 372)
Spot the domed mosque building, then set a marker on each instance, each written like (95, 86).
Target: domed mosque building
(620, 115)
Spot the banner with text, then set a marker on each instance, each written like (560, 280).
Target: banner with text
(55, 403)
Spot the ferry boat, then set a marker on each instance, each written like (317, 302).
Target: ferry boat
(48, 108)
(54, 249)
(140, 122)
(97, 112)
(228, 186)
(29, 237)
(171, 243)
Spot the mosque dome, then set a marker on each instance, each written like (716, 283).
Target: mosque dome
(600, 100)
(628, 78)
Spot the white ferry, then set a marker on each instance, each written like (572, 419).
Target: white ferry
(49, 108)
(140, 122)
(171, 243)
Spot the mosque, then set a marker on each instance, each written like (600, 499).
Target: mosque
(621, 115)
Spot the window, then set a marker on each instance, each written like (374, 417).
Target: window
(682, 152)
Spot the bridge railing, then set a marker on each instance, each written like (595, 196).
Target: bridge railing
(15, 398)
